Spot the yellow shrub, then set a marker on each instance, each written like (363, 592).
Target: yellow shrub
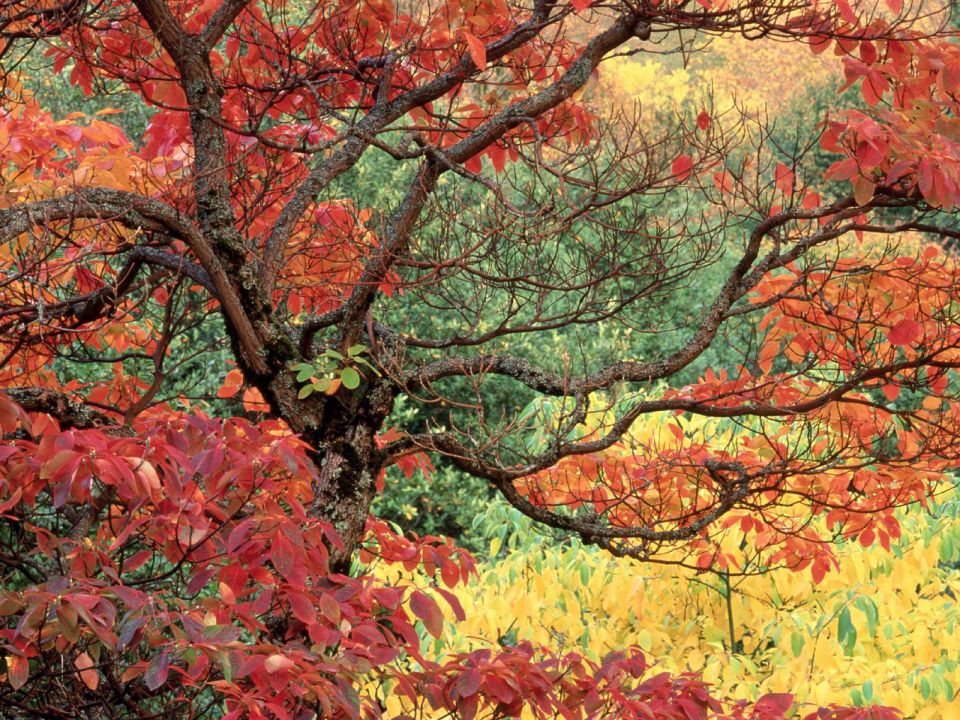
(883, 629)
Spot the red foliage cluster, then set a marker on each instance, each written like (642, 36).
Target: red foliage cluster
(207, 572)
(168, 562)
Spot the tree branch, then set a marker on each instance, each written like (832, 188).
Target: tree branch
(220, 20)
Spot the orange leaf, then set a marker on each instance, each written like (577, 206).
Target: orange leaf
(478, 51)
(89, 676)
(227, 594)
(723, 182)
(811, 200)
(818, 570)
(253, 401)
(231, 384)
(18, 671)
(863, 190)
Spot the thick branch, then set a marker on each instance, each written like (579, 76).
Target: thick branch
(221, 19)
(67, 411)
(136, 211)
(403, 220)
(380, 117)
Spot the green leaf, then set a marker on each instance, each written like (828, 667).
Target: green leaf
(846, 632)
(305, 391)
(869, 608)
(796, 643)
(226, 666)
(321, 385)
(363, 362)
(333, 354)
(350, 378)
(355, 350)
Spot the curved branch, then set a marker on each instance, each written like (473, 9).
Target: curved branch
(138, 212)
(90, 306)
(745, 276)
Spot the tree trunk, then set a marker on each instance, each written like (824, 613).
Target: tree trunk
(341, 430)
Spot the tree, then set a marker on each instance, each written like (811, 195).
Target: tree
(163, 562)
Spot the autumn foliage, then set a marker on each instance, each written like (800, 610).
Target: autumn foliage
(162, 558)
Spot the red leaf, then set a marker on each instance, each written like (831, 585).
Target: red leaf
(693, 710)
(449, 573)
(498, 158)
(580, 5)
(158, 670)
(905, 332)
(469, 683)
(681, 167)
(302, 608)
(846, 12)
(778, 703)
(454, 602)
(499, 689)
(18, 671)
(238, 535)
(842, 170)
(784, 178)
(426, 608)
(703, 120)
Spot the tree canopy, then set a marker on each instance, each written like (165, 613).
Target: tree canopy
(166, 553)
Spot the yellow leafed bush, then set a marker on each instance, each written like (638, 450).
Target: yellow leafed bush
(735, 70)
(883, 629)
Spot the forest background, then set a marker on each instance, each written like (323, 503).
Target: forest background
(881, 628)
